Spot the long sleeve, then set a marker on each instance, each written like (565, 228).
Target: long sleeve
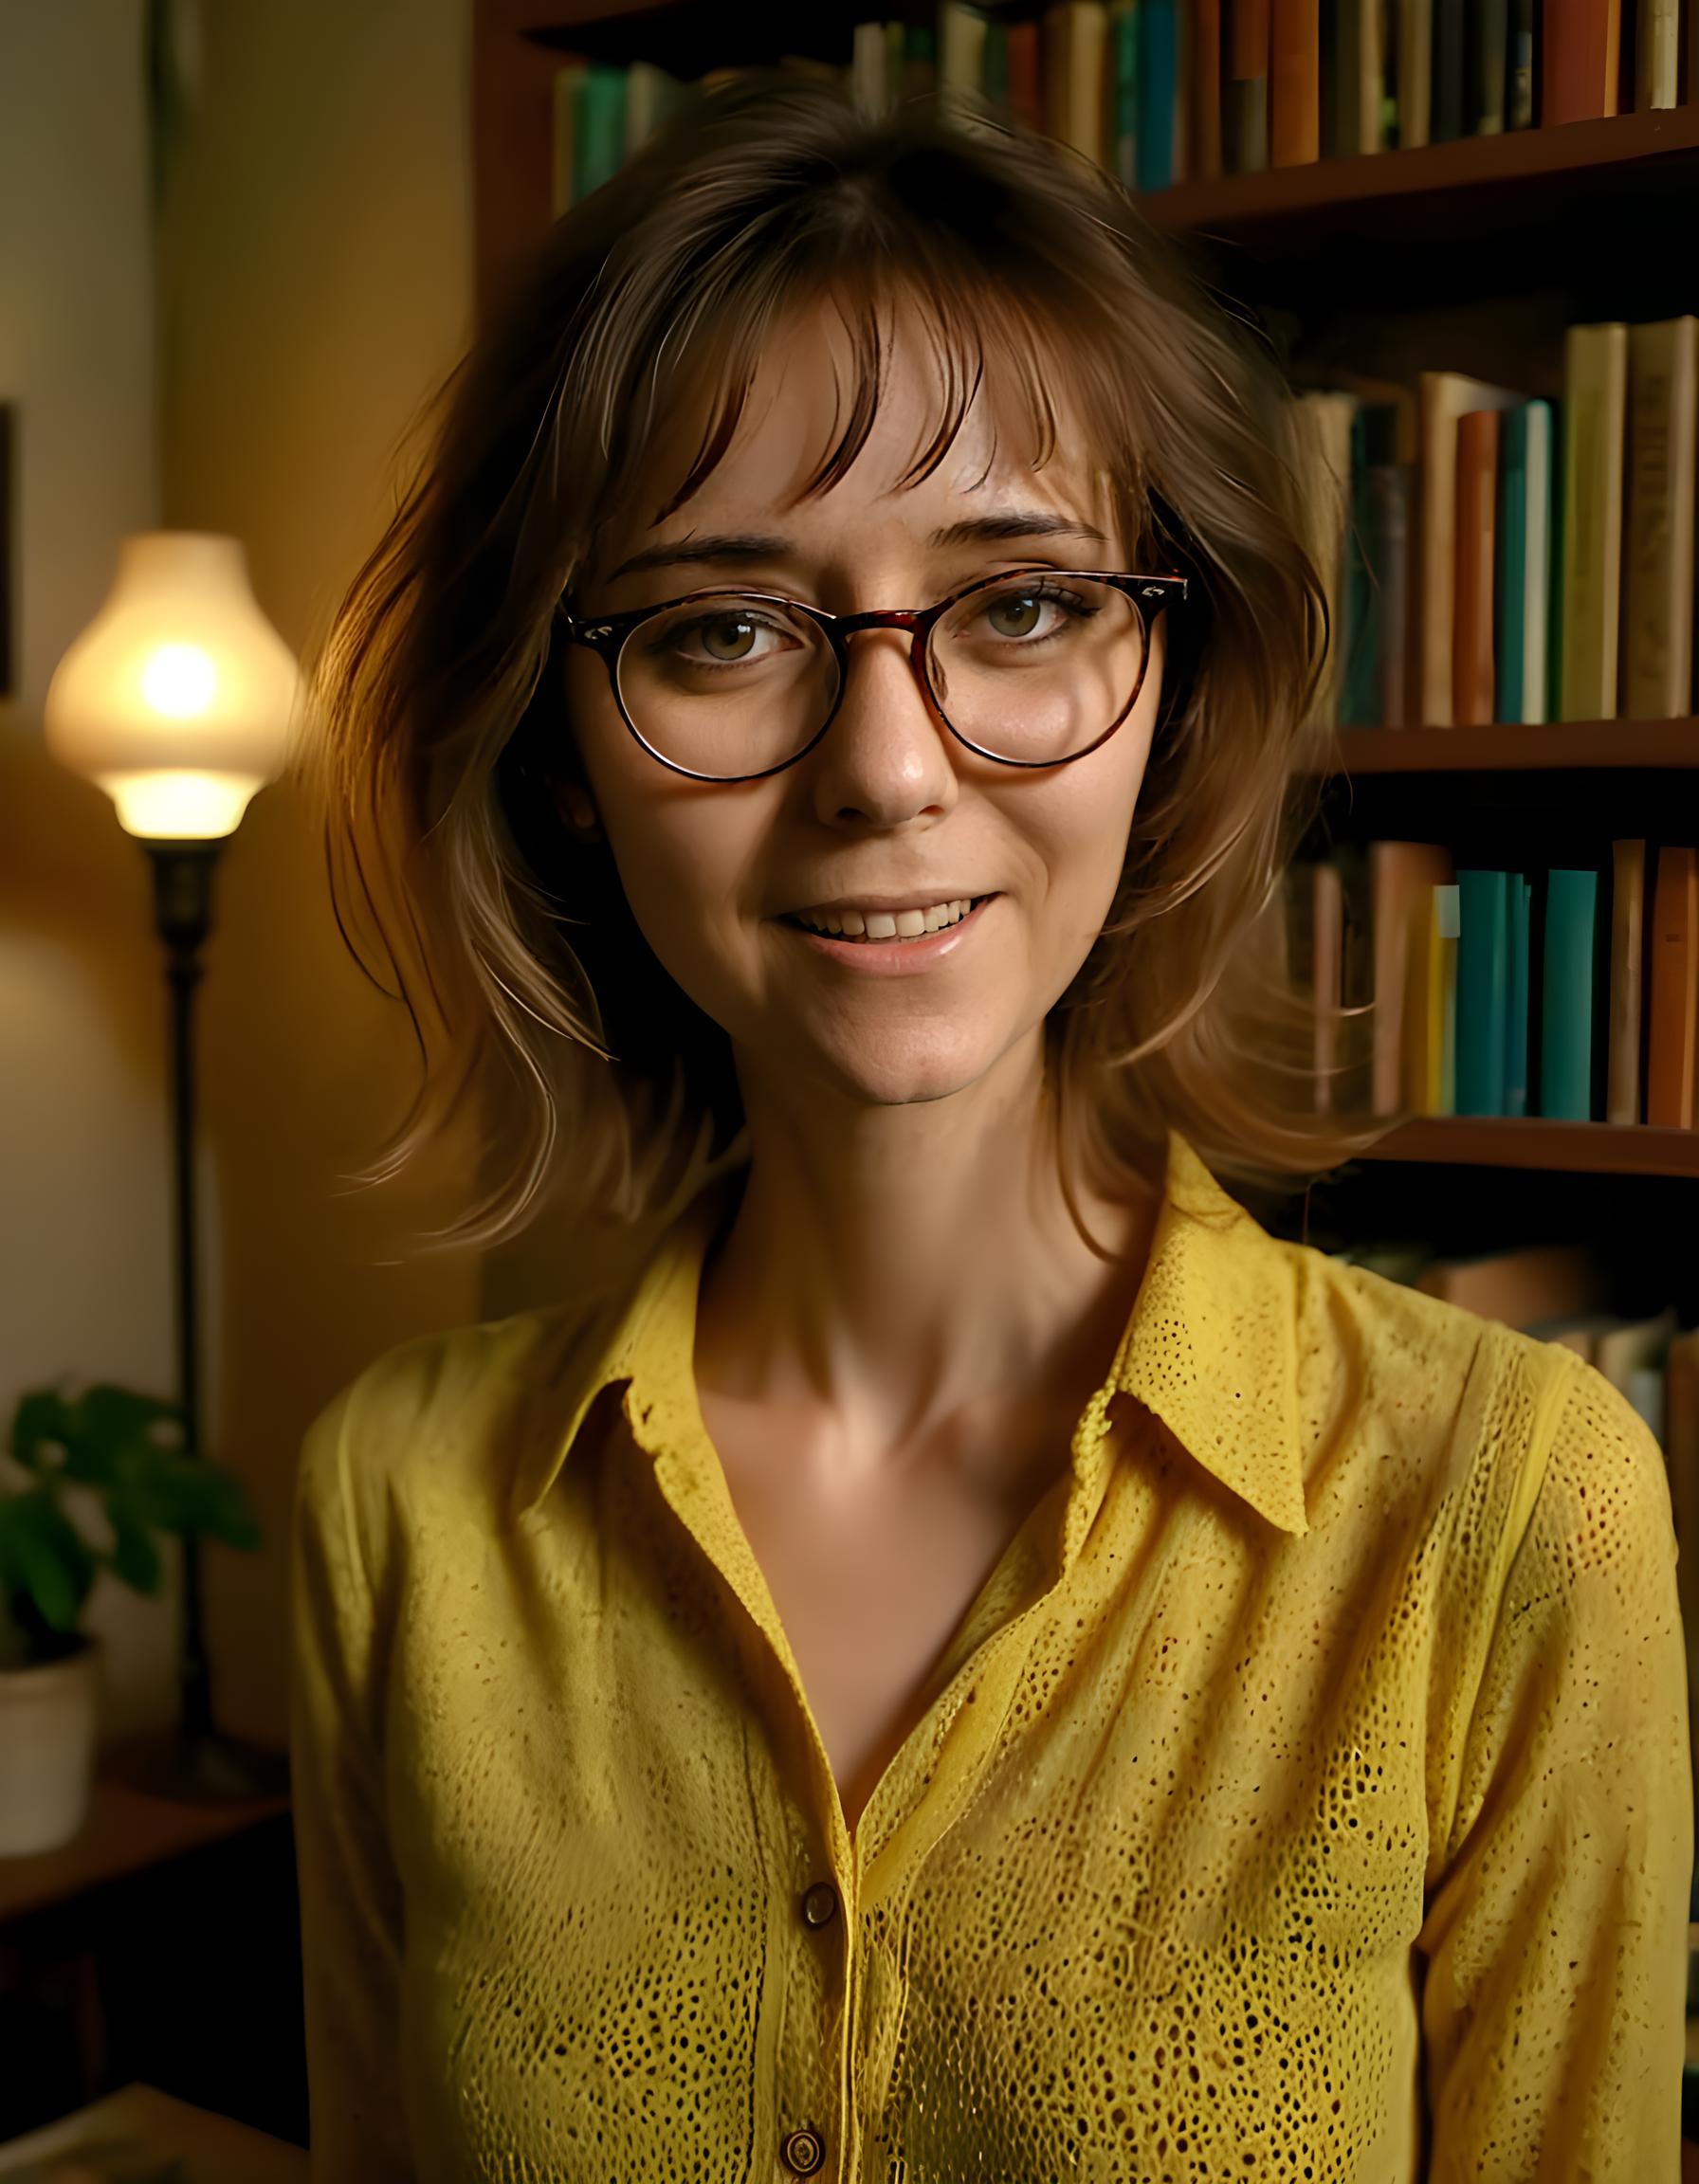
(1553, 2009)
(351, 1908)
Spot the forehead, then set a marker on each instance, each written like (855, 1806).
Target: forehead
(807, 380)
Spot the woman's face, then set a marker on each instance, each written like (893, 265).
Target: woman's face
(888, 803)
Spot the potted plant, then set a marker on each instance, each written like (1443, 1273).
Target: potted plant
(130, 1448)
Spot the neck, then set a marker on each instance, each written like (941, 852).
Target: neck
(911, 1275)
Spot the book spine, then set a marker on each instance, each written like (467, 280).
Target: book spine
(1566, 995)
(1596, 401)
(1442, 1083)
(1489, 36)
(1294, 82)
(1156, 94)
(1658, 40)
(1247, 118)
(1205, 135)
(1474, 518)
(1518, 91)
(1125, 36)
(1483, 989)
(1537, 569)
(1415, 72)
(1026, 87)
(1327, 946)
(1628, 894)
(1446, 123)
(1674, 970)
(1516, 1002)
(1512, 615)
(1390, 490)
(1657, 633)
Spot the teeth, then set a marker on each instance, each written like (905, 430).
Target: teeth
(887, 925)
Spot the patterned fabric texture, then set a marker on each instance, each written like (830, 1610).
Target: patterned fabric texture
(1306, 1794)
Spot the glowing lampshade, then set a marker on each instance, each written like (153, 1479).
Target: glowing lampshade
(180, 697)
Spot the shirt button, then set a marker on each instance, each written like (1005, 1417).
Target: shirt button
(820, 1904)
(803, 2152)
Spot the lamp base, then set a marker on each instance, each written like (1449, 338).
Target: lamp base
(209, 1770)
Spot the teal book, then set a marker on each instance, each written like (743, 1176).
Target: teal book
(1483, 988)
(598, 128)
(1566, 997)
(1521, 893)
(1512, 560)
(1128, 33)
(1158, 62)
(1373, 443)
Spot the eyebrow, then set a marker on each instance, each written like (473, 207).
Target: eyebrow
(764, 546)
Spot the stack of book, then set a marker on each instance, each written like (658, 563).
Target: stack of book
(1491, 555)
(1570, 992)
(1166, 91)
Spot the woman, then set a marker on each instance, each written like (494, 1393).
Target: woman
(959, 1655)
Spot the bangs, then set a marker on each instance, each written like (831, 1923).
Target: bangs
(1024, 356)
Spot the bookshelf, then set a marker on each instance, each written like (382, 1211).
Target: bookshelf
(1470, 256)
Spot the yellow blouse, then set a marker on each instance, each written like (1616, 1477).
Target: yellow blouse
(1306, 1793)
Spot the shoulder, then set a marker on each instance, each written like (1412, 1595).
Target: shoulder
(426, 1417)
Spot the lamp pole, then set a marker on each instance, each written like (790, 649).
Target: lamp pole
(203, 1765)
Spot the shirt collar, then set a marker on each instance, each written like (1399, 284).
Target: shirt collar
(1211, 1346)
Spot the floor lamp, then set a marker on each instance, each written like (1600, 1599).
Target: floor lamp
(178, 698)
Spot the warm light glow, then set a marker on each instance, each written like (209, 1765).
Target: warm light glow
(179, 697)
(179, 681)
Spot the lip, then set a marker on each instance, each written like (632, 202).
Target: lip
(895, 957)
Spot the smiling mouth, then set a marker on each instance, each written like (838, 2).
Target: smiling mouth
(882, 919)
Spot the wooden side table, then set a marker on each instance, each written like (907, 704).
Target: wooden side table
(161, 1944)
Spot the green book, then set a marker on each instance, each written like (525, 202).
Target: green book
(598, 128)
(1483, 983)
(1516, 1003)
(1566, 997)
(994, 63)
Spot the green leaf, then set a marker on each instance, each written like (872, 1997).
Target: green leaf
(46, 1556)
(135, 1558)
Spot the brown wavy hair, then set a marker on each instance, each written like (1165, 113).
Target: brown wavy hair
(438, 694)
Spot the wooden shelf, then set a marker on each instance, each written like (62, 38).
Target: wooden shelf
(1535, 1141)
(126, 1831)
(1511, 746)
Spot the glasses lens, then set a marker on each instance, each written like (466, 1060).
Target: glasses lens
(1037, 669)
(726, 684)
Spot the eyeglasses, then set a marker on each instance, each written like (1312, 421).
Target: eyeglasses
(1042, 694)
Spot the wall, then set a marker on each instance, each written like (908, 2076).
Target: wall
(313, 280)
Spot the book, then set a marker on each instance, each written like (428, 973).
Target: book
(1415, 72)
(1519, 73)
(1445, 116)
(1657, 548)
(1596, 407)
(1628, 947)
(1120, 70)
(652, 96)
(1523, 561)
(598, 128)
(1483, 989)
(1294, 82)
(1023, 54)
(1443, 397)
(1516, 1007)
(1402, 876)
(1566, 995)
(564, 92)
(869, 76)
(1582, 53)
(1487, 29)
(1157, 66)
(1203, 134)
(1075, 47)
(962, 32)
(1245, 129)
(1477, 522)
(1672, 975)
(1657, 43)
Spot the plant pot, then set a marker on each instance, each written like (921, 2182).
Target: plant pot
(49, 1717)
